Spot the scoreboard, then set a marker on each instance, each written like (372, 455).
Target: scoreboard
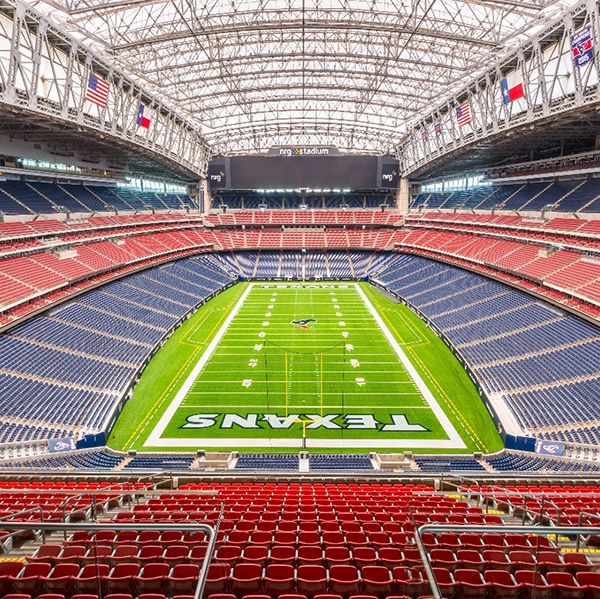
(304, 171)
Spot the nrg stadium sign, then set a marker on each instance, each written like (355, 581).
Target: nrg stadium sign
(252, 421)
(303, 151)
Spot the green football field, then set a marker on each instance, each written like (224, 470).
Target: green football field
(263, 364)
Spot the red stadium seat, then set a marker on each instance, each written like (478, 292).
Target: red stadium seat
(443, 558)
(470, 585)
(147, 554)
(337, 555)
(8, 570)
(564, 585)
(550, 561)
(579, 562)
(184, 578)
(534, 585)
(217, 579)
(90, 577)
(309, 555)
(344, 580)
(503, 585)
(410, 581)
(312, 579)
(282, 554)
(590, 582)
(31, 580)
(279, 579)
(72, 553)
(121, 579)
(496, 560)
(62, 578)
(445, 581)
(377, 581)
(228, 554)
(122, 554)
(46, 553)
(255, 554)
(175, 554)
(246, 579)
(367, 556)
(152, 578)
(522, 560)
(470, 559)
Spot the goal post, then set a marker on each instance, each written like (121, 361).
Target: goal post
(304, 375)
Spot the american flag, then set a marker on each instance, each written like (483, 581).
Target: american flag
(97, 90)
(463, 114)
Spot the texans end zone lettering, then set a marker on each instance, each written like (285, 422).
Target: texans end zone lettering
(395, 422)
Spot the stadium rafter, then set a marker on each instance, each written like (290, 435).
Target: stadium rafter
(273, 72)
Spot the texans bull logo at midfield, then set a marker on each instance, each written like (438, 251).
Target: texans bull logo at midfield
(304, 323)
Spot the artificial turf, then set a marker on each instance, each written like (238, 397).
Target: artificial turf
(266, 383)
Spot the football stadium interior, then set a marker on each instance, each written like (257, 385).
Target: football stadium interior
(300, 299)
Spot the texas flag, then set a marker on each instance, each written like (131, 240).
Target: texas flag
(143, 121)
(510, 94)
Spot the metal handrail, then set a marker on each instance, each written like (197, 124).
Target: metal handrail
(30, 510)
(491, 494)
(437, 528)
(93, 494)
(581, 514)
(96, 527)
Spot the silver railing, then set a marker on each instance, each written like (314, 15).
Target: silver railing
(537, 530)
(115, 526)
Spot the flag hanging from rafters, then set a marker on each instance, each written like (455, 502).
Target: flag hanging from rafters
(97, 90)
(463, 114)
(143, 117)
(424, 135)
(510, 94)
(437, 127)
(582, 45)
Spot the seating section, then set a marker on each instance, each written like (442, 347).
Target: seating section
(297, 540)
(324, 264)
(557, 259)
(254, 200)
(329, 217)
(539, 360)
(577, 195)
(267, 461)
(17, 197)
(74, 364)
(96, 459)
(339, 462)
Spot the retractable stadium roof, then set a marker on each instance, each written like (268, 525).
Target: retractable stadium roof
(261, 73)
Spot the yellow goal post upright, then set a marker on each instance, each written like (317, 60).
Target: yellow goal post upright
(303, 421)
(288, 401)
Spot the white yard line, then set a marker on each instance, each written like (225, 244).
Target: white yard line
(311, 443)
(452, 433)
(305, 407)
(187, 385)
